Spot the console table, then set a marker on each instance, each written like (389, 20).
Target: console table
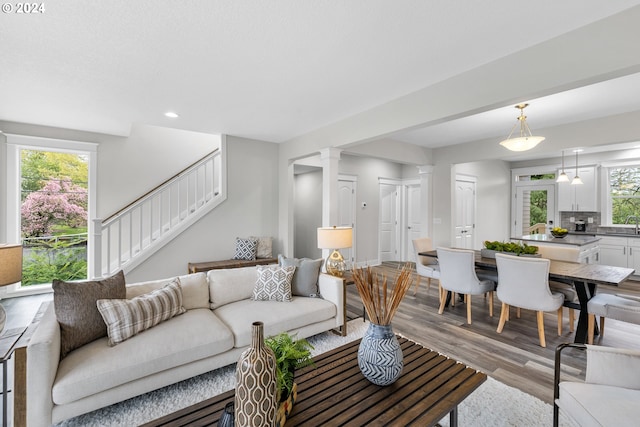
(197, 267)
(336, 393)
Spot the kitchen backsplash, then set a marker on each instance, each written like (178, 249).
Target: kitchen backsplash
(565, 220)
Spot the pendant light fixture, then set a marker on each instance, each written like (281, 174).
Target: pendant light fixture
(526, 141)
(563, 176)
(576, 179)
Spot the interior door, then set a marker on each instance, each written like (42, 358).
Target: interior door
(465, 215)
(388, 222)
(413, 226)
(347, 216)
(535, 209)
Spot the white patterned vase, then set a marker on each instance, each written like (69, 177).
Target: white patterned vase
(380, 355)
(256, 400)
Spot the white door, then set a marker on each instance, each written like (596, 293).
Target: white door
(412, 209)
(388, 222)
(465, 215)
(347, 216)
(535, 208)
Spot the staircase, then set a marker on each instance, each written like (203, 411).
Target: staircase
(130, 236)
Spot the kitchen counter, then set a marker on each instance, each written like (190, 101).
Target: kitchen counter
(569, 239)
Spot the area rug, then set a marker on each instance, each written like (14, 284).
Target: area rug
(493, 404)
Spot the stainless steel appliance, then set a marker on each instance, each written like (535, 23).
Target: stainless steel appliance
(581, 226)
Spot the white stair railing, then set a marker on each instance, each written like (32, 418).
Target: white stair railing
(127, 238)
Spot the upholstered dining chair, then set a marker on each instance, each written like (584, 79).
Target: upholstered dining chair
(560, 253)
(524, 282)
(458, 274)
(425, 266)
(625, 308)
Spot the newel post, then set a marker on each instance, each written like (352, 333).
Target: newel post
(95, 250)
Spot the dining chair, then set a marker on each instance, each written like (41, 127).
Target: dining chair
(560, 253)
(524, 282)
(625, 308)
(458, 275)
(425, 266)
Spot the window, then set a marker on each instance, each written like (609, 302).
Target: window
(624, 193)
(50, 203)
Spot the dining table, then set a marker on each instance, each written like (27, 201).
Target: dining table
(585, 278)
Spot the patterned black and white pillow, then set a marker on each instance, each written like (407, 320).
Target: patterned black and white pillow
(273, 283)
(246, 249)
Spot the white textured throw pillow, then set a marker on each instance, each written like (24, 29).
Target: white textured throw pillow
(274, 283)
(126, 318)
(265, 247)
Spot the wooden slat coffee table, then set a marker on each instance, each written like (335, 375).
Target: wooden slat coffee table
(335, 393)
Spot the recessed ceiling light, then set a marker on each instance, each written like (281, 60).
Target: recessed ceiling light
(171, 114)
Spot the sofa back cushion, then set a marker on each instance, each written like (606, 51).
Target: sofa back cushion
(195, 289)
(231, 285)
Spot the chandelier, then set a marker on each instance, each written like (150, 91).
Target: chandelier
(526, 141)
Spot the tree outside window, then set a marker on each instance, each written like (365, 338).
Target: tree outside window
(53, 216)
(625, 193)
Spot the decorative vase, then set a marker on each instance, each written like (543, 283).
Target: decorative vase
(256, 399)
(380, 355)
(227, 419)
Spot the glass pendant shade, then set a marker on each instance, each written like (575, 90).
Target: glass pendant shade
(526, 141)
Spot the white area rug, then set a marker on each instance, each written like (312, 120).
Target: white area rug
(493, 404)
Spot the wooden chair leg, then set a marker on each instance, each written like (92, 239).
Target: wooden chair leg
(517, 312)
(491, 304)
(504, 313)
(540, 316)
(591, 328)
(443, 301)
(415, 291)
(468, 301)
(560, 321)
(572, 319)
(428, 284)
(601, 326)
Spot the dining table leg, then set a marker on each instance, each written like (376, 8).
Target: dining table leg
(585, 291)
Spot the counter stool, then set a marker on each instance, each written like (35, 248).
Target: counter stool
(625, 308)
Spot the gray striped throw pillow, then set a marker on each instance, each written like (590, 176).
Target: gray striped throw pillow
(127, 317)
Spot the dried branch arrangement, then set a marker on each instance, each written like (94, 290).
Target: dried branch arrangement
(380, 301)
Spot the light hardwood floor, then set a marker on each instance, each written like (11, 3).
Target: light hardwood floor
(513, 357)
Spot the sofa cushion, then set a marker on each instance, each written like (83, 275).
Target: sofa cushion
(246, 248)
(273, 283)
(95, 367)
(230, 285)
(265, 247)
(76, 310)
(598, 405)
(305, 278)
(195, 289)
(128, 317)
(277, 317)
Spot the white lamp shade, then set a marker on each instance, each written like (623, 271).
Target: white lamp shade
(10, 264)
(522, 143)
(335, 237)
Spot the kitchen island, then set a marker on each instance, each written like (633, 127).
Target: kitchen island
(580, 248)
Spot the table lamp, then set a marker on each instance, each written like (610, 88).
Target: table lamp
(335, 238)
(10, 271)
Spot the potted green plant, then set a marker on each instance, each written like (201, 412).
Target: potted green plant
(518, 248)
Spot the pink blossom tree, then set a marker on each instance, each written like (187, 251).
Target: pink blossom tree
(58, 202)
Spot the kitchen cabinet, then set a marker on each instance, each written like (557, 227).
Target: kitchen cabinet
(578, 198)
(620, 252)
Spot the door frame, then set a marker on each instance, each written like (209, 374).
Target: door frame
(354, 219)
(515, 183)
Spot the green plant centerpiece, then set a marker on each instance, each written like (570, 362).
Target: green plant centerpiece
(291, 354)
(512, 247)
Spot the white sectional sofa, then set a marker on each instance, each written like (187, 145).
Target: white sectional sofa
(212, 333)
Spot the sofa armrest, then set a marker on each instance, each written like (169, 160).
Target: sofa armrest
(332, 289)
(43, 357)
(617, 367)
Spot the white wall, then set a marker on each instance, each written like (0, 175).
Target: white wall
(307, 214)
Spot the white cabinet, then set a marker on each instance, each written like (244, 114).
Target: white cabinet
(620, 252)
(573, 198)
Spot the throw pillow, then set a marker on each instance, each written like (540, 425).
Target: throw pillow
(76, 311)
(125, 318)
(274, 283)
(305, 278)
(195, 289)
(246, 249)
(265, 247)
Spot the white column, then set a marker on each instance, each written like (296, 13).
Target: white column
(426, 199)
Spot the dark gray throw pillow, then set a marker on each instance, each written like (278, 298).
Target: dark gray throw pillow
(75, 304)
(305, 278)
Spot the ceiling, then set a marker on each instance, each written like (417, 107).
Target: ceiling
(274, 70)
